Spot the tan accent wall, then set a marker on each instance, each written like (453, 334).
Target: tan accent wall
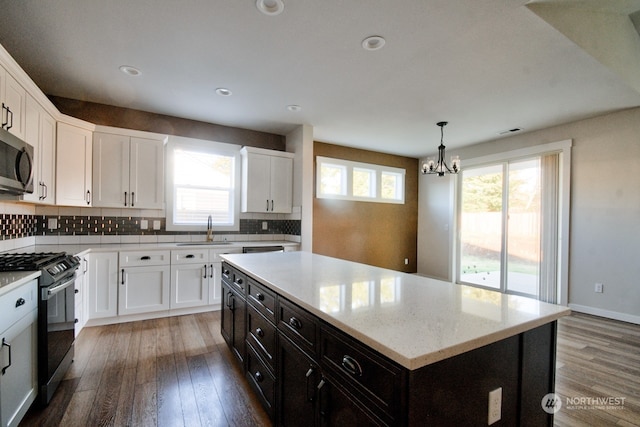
(107, 115)
(379, 234)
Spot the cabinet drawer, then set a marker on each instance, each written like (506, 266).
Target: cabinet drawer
(298, 325)
(142, 258)
(378, 379)
(16, 304)
(263, 299)
(215, 253)
(262, 335)
(261, 380)
(190, 256)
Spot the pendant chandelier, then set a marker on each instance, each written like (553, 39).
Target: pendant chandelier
(430, 167)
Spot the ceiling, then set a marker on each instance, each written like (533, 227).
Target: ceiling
(484, 66)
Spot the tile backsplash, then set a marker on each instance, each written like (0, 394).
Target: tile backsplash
(21, 223)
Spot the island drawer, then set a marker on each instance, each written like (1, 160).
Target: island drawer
(263, 299)
(262, 335)
(369, 373)
(261, 380)
(234, 278)
(298, 325)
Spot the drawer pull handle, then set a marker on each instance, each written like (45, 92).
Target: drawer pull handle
(6, 344)
(20, 302)
(259, 332)
(225, 272)
(238, 282)
(310, 396)
(352, 366)
(260, 296)
(321, 384)
(205, 272)
(295, 323)
(259, 377)
(75, 291)
(123, 278)
(145, 258)
(190, 256)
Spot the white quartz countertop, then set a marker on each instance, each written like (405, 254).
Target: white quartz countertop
(413, 320)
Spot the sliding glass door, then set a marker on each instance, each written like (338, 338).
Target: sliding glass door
(502, 229)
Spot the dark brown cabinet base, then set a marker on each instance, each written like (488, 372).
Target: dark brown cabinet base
(320, 376)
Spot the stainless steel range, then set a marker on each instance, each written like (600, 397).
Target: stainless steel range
(56, 317)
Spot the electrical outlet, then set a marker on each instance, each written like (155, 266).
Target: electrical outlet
(265, 225)
(156, 224)
(495, 406)
(599, 288)
(144, 224)
(52, 223)
(406, 261)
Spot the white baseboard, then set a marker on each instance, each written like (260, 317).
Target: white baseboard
(625, 317)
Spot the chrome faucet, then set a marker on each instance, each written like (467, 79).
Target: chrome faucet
(209, 229)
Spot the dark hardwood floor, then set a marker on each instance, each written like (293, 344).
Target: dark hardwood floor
(178, 371)
(175, 371)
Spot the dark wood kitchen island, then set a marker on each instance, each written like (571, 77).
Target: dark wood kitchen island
(325, 341)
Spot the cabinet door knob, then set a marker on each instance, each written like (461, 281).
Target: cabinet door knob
(260, 296)
(295, 323)
(76, 291)
(352, 366)
(258, 376)
(259, 332)
(20, 302)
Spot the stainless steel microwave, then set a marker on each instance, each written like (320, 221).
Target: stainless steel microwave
(16, 165)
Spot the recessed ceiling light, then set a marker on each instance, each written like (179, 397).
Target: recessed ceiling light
(130, 71)
(270, 7)
(222, 91)
(373, 43)
(294, 107)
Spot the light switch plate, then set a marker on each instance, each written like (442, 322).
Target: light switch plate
(52, 223)
(144, 224)
(156, 224)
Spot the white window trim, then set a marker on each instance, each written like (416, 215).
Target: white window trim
(209, 146)
(350, 166)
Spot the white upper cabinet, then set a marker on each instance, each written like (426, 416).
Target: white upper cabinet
(40, 132)
(73, 166)
(128, 171)
(267, 180)
(13, 98)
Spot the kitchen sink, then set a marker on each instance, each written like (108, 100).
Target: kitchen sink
(202, 243)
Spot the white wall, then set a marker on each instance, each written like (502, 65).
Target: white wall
(300, 142)
(605, 209)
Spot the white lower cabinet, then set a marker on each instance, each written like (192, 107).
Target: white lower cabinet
(18, 352)
(102, 285)
(81, 285)
(195, 276)
(144, 282)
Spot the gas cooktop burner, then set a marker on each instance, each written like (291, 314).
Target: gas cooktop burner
(31, 261)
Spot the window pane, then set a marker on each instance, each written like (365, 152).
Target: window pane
(203, 185)
(523, 227)
(364, 183)
(333, 179)
(194, 205)
(202, 169)
(391, 186)
(481, 226)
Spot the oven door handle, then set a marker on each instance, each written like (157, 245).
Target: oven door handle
(59, 288)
